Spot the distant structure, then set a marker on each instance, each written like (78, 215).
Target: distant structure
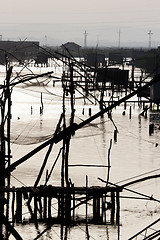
(45, 41)
(115, 76)
(95, 59)
(115, 57)
(119, 38)
(72, 48)
(85, 39)
(18, 50)
(150, 34)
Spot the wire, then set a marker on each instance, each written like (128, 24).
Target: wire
(140, 175)
(18, 180)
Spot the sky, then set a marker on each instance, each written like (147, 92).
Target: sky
(107, 23)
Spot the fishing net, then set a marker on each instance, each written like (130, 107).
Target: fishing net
(29, 140)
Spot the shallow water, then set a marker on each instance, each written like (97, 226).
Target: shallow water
(134, 153)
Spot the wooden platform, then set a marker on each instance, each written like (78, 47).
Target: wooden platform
(99, 205)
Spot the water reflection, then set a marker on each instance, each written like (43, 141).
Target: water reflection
(78, 232)
(133, 154)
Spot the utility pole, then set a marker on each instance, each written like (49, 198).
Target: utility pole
(85, 38)
(119, 38)
(150, 34)
(97, 41)
(45, 41)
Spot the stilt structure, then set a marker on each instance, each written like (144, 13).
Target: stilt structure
(103, 204)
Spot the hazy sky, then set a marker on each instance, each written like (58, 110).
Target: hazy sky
(55, 22)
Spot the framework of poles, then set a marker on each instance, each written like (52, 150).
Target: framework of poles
(67, 196)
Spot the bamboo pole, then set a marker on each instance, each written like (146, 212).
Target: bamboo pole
(87, 230)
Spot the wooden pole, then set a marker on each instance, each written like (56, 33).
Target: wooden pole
(45, 207)
(40, 206)
(86, 198)
(8, 95)
(41, 103)
(117, 213)
(35, 207)
(87, 231)
(151, 128)
(49, 207)
(5, 97)
(130, 112)
(13, 203)
(115, 135)
(104, 208)
(132, 87)
(18, 206)
(112, 207)
(2, 166)
(75, 127)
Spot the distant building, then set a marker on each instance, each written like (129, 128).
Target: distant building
(115, 76)
(155, 92)
(18, 50)
(115, 58)
(95, 59)
(71, 48)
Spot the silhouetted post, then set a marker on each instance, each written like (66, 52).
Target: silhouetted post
(87, 232)
(145, 113)
(40, 206)
(41, 104)
(151, 129)
(86, 198)
(112, 207)
(130, 112)
(117, 213)
(118, 207)
(45, 207)
(13, 202)
(35, 207)
(3, 154)
(143, 105)
(115, 135)
(49, 207)
(132, 86)
(40, 110)
(103, 209)
(18, 207)
(8, 153)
